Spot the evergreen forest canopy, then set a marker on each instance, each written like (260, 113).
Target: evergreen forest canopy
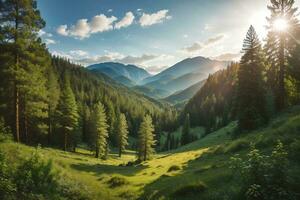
(50, 101)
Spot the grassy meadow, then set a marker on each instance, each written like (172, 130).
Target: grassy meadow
(199, 170)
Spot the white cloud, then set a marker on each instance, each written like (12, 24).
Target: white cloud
(126, 21)
(197, 46)
(62, 30)
(185, 36)
(79, 53)
(109, 10)
(101, 23)
(42, 33)
(49, 41)
(228, 57)
(154, 18)
(83, 28)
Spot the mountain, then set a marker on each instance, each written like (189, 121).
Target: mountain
(213, 105)
(151, 92)
(184, 74)
(185, 95)
(128, 75)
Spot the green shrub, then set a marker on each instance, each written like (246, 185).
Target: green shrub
(263, 177)
(117, 181)
(5, 132)
(33, 178)
(174, 168)
(192, 189)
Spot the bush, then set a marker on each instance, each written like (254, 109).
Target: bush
(192, 189)
(174, 168)
(5, 132)
(263, 177)
(34, 178)
(117, 181)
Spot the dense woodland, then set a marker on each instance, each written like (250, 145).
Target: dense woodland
(51, 101)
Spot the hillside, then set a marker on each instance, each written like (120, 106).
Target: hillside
(184, 74)
(128, 75)
(205, 162)
(213, 105)
(186, 94)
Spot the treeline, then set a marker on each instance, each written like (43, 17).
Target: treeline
(264, 82)
(212, 106)
(51, 101)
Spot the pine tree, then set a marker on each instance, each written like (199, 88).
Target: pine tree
(67, 114)
(185, 137)
(53, 98)
(100, 131)
(146, 139)
(20, 21)
(279, 45)
(122, 133)
(294, 69)
(250, 91)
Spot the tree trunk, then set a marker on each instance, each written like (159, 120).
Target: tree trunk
(17, 100)
(281, 89)
(49, 126)
(17, 115)
(97, 152)
(145, 151)
(120, 151)
(65, 141)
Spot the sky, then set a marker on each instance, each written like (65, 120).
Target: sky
(152, 34)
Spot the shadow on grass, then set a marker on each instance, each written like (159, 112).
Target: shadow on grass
(100, 169)
(200, 169)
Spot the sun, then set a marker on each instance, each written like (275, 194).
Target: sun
(280, 25)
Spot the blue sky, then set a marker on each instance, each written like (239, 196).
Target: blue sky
(153, 34)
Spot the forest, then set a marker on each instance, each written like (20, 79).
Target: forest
(67, 132)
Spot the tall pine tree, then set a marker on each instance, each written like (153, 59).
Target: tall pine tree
(280, 42)
(146, 139)
(250, 90)
(185, 137)
(122, 134)
(25, 63)
(100, 131)
(67, 114)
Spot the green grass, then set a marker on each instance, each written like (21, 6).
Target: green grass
(205, 161)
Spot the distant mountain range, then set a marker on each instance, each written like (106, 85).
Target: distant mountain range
(128, 75)
(184, 95)
(171, 81)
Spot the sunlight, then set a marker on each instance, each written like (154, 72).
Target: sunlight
(280, 25)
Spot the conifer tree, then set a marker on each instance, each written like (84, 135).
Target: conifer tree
(294, 69)
(53, 98)
(185, 137)
(100, 131)
(250, 91)
(122, 134)
(67, 114)
(20, 21)
(279, 45)
(146, 139)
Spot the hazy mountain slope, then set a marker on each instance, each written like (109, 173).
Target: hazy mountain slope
(119, 72)
(186, 94)
(151, 92)
(184, 74)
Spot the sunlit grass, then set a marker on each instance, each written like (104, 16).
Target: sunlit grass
(205, 161)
